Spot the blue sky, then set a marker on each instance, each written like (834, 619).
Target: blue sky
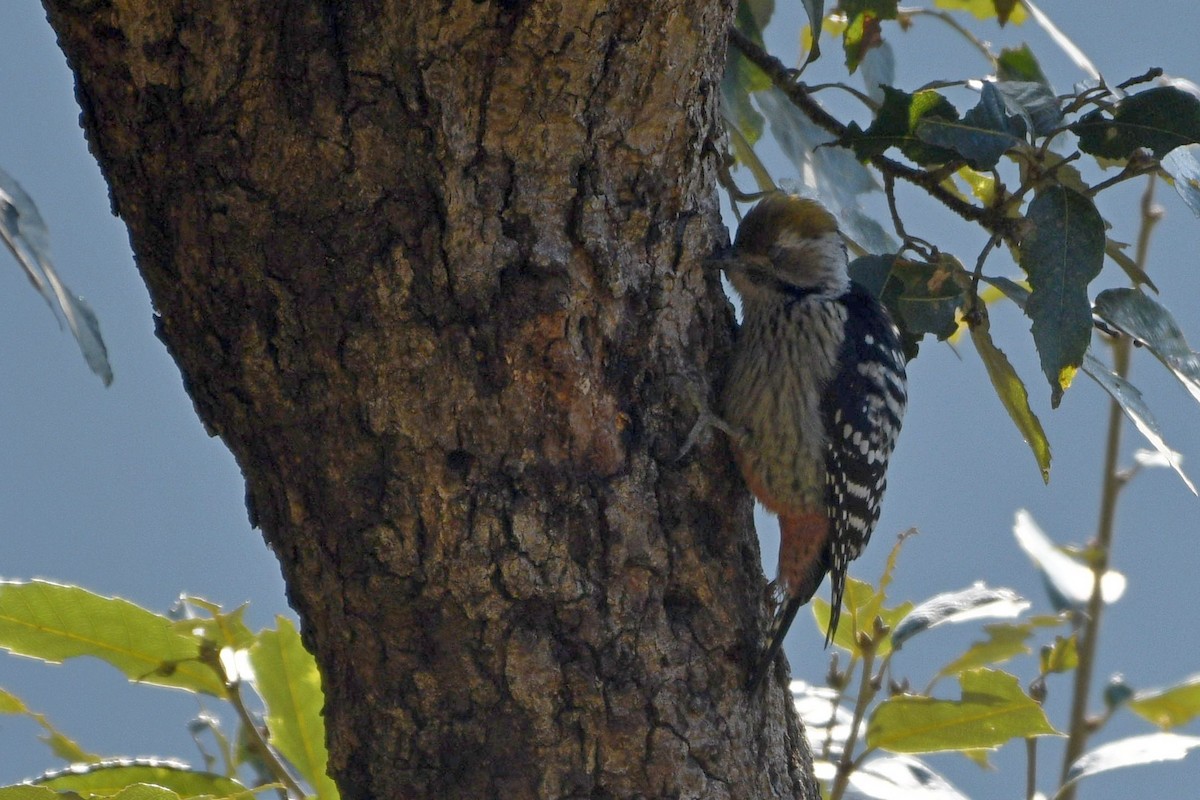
(121, 490)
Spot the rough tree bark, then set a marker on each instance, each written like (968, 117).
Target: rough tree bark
(435, 273)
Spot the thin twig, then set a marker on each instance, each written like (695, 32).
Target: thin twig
(974, 40)
(865, 694)
(1122, 347)
(930, 181)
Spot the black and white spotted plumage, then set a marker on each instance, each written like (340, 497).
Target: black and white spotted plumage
(863, 407)
(813, 399)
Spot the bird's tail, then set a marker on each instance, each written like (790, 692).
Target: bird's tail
(784, 614)
(837, 580)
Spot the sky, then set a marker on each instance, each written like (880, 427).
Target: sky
(120, 489)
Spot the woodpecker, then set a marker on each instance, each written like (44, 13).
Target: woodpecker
(813, 399)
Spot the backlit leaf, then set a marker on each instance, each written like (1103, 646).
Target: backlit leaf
(1131, 752)
(1144, 319)
(1171, 707)
(54, 622)
(1013, 395)
(992, 710)
(1129, 398)
(974, 602)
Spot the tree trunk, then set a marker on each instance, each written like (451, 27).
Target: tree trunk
(435, 272)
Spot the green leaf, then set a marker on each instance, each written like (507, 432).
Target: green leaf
(144, 791)
(993, 710)
(1158, 119)
(110, 777)
(928, 298)
(1019, 64)
(287, 679)
(816, 19)
(863, 31)
(26, 792)
(1001, 10)
(220, 628)
(1138, 316)
(1068, 582)
(1006, 640)
(983, 135)
(895, 126)
(1012, 394)
(1131, 752)
(1171, 707)
(54, 622)
(1129, 398)
(742, 79)
(1183, 165)
(11, 704)
(59, 743)
(1115, 250)
(861, 605)
(1062, 656)
(974, 602)
(1062, 254)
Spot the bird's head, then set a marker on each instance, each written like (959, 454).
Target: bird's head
(787, 244)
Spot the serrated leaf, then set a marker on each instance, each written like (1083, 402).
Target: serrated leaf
(983, 135)
(144, 791)
(1068, 582)
(1159, 119)
(1129, 398)
(54, 622)
(1019, 64)
(26, 236)
(1183, 165)
(1131, 752)
(111, 777)
(1012, 394)
(993, 710)
(895, 126)
(1170, 707)
(975, 602)
(901, 777)
(221, 628)
(287, 679)
(1062, 254)
(1139, 316)
(1062, 656)
(1005, 641)
(26, 792)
